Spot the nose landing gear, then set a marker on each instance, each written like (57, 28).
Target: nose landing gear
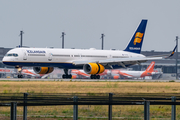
(19, 69)
(20, 76)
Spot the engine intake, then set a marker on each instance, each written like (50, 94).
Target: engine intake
(93, 68)
(43, 70)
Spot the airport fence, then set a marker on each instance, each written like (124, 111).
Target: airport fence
(110, 99)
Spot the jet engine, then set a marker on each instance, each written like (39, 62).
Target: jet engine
(74, 76)
(43, 70)
(93, 68)
(116, 77)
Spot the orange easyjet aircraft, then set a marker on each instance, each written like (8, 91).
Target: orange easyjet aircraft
(138, 74)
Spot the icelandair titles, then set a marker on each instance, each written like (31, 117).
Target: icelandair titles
(35, 51)
(134, 48)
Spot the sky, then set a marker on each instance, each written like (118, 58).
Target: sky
(83, 22)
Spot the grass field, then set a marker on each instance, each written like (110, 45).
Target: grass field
(123, 112)
(88, 87)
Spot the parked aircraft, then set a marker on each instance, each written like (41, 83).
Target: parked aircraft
(79, 74)
(92, 61)
(30, 73)
(138, 74)
(7, 72)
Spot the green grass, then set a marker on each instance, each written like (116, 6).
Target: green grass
(92, 89)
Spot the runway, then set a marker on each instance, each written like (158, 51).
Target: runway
(88, 80)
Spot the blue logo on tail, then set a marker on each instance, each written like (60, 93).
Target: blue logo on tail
(136, 42)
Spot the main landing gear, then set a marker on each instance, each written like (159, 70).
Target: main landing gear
(66, 76)
(95, 76)
(20, 76)
(19, 69)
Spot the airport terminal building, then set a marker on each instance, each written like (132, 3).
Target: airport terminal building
(168, 66)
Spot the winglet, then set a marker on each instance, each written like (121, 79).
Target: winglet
(172, 52)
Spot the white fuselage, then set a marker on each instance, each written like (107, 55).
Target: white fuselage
(62, 58)
(132, 74)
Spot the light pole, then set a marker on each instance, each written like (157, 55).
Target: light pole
(102, 37)
(21, 34)
(63, 39)
(177, 58)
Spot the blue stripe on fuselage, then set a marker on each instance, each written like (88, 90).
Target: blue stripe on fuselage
(31, 64)
(60, 65)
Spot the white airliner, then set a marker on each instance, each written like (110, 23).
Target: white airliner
(92, 61)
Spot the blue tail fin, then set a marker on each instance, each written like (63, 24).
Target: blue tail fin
(137, 39)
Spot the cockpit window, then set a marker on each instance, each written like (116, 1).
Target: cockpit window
(9, 55)
(13, 54)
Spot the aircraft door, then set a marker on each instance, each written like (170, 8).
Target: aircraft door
(24, 55)
(49, 56)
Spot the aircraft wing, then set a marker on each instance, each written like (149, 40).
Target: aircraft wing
(114, 61)
(124, 61)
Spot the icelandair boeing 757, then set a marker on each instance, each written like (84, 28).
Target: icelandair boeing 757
(92, 61)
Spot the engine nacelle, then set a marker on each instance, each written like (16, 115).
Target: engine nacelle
(74, 76)
(116, 77)
(93, 68)
(43, 70)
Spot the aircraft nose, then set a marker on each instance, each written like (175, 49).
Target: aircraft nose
(3, 60)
